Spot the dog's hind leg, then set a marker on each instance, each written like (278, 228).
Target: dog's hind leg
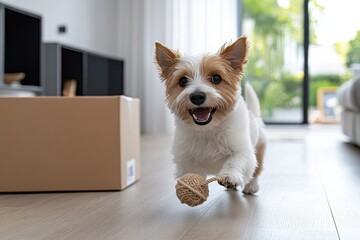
(253, 186)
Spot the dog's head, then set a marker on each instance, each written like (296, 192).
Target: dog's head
(202, 89)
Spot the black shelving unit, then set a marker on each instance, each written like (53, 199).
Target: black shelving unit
(116, 71)
(95, 74)
(20, 48)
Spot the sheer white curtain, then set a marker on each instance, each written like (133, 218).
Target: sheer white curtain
(203, 25)
(192, 26)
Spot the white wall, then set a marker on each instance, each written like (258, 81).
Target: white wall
(91, 24)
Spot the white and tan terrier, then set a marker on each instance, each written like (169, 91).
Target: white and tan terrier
(217, 132)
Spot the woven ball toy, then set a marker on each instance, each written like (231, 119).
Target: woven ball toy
(192, 189)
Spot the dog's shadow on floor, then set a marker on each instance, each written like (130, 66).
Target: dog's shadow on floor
(233, 203)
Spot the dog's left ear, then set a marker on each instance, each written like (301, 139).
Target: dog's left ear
(236, 53)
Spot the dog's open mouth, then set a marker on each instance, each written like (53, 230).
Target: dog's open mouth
(202, 115)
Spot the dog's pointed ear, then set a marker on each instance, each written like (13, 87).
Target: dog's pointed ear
(235, 53)
(165, 57)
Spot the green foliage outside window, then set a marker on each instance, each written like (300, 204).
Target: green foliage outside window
(272, 24)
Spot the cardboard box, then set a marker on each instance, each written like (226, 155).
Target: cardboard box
(69, 144)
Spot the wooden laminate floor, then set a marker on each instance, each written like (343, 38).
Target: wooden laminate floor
(310, 189)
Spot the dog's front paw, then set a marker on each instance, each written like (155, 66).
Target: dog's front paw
(231, 181)
(225, 183)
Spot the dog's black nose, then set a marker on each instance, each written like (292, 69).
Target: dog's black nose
(198, 98)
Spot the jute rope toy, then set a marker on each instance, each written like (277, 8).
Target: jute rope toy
(192, 189)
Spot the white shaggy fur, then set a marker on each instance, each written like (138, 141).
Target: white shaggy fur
(227, 150)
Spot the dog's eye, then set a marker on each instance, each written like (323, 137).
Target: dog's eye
(183, 81)
(216, 79)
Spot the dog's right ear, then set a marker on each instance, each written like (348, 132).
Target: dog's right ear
(165, 57)
(236, 53)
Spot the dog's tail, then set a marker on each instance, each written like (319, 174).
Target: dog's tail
(252, 100)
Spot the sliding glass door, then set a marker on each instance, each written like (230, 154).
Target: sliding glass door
(277, 67)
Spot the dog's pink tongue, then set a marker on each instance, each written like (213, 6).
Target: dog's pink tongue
(201, 114)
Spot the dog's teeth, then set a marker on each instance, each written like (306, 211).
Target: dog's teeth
(194, 116)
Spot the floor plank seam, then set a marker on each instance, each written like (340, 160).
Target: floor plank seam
(263, 189)
(331, 211)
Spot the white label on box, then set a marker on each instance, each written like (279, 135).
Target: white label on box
(130, 166)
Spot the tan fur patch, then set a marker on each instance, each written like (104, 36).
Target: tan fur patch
(173, 90)
(260, 152)
(215, 65)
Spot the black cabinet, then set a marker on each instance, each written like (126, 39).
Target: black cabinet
(20, 47)
(94, 74)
